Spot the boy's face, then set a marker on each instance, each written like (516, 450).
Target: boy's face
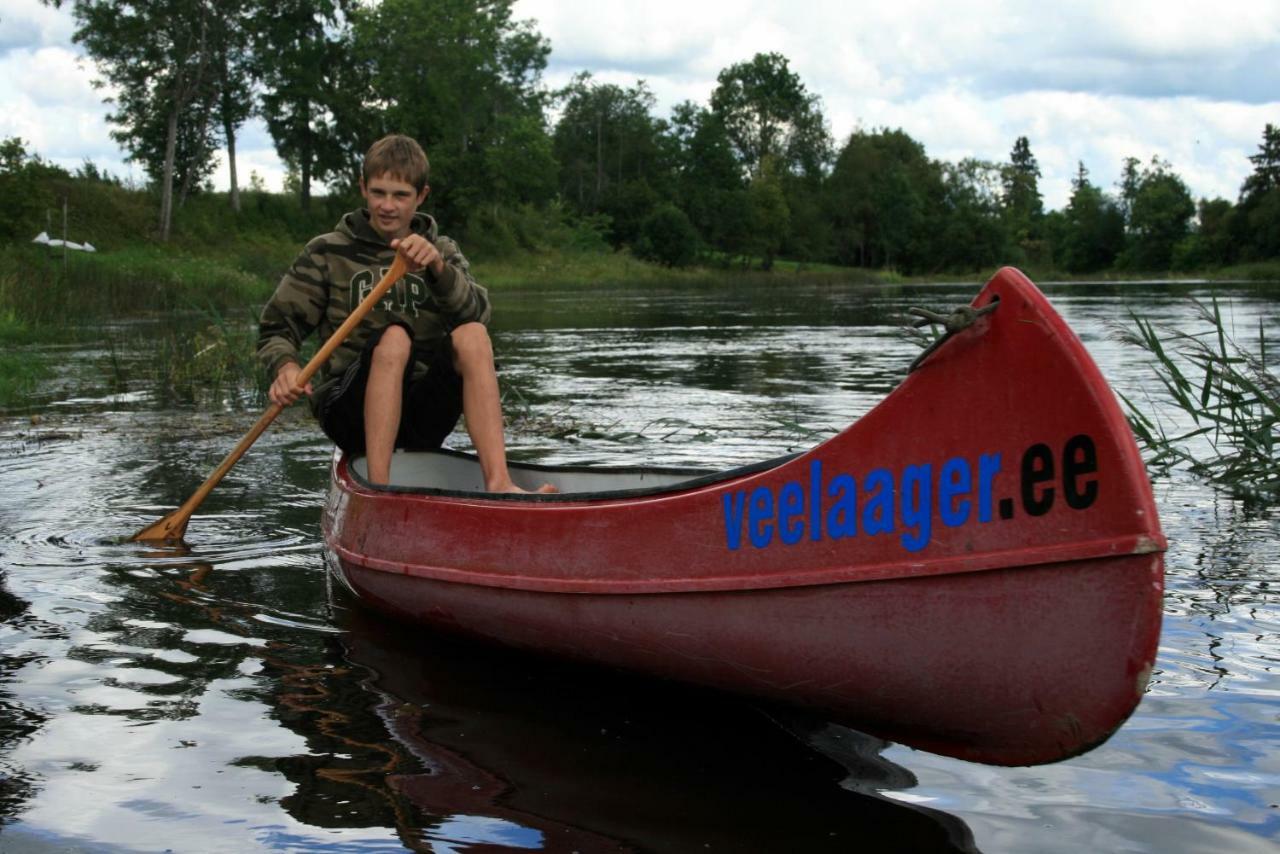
(391, 203)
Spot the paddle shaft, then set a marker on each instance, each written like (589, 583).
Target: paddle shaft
(172, 527)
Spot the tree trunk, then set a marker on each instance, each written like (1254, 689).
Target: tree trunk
(198, 154)
(230, 131)
(304, 155)
(599, 160)
(166, 181)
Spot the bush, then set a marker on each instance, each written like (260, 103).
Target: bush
(668, 237)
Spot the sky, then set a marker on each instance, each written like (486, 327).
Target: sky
(1190, 82)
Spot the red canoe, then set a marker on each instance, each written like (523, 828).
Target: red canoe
(974, 567)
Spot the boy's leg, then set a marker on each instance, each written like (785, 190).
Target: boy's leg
(383, 398)
(481, 404)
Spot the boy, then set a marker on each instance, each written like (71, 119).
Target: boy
(421, 358)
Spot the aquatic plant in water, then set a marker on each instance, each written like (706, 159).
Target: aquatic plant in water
(1229, 395)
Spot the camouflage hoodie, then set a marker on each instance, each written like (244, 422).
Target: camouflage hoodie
(337, 270)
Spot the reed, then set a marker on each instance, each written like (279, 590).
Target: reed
(20, 376)
(209, 363)
(1224, 395)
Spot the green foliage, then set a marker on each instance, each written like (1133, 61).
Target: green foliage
(1023, 208)
(1160, 212)
(709, 185)
(165, 61)
(614, 156)
(98, 210)
(878, 196)
(668, 237)
(1093, 230)
(315, 89)
(1230, 396)
(463, 78)
(770, 217)
(1257, 223)
(768, 113)
(970, 233)
(752, 171)
(1211, 244)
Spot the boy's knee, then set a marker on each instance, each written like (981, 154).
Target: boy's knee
(394, 347)
(471, 345)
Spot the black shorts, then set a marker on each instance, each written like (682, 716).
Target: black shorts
(430, 409)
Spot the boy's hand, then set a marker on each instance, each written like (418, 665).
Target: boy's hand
(420, 253)
(284, 390)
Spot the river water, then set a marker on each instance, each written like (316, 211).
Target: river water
(218, 699)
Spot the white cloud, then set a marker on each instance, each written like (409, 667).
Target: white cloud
(52, 104)
(30, 23)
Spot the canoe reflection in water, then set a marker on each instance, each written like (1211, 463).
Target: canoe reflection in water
(508, 752)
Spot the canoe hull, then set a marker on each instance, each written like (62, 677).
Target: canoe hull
(982, 666)
(973, 567)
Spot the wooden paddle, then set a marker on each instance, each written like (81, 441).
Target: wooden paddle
(171, 528)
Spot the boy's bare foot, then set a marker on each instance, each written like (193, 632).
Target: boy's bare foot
(511, 488)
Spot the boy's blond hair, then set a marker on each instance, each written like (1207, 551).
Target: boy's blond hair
(399, 157)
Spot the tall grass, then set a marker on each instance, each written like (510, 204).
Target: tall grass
(42, 289)
(1227, 399)
(20, 375)
(206, 360)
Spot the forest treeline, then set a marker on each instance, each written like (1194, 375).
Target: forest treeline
(751, 176)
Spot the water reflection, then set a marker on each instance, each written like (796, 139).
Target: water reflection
(580, 759)
(17, 722)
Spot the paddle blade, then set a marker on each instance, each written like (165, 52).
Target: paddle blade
(168, 530)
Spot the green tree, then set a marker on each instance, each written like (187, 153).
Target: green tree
(1159, 218)
(1130, 180)
(25, 190)
(234, 76)
(709, 184)
(146, 138)
(615, 157)
(1093, 231)
(1258, 217)
(463, 77)
(159, 57)
(971, 231)
(767, 112)
(313, 88)
(1023, 206)
(810, 236)
(770, 216)
(879, 197)
(1211, 242)
(520, 164)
